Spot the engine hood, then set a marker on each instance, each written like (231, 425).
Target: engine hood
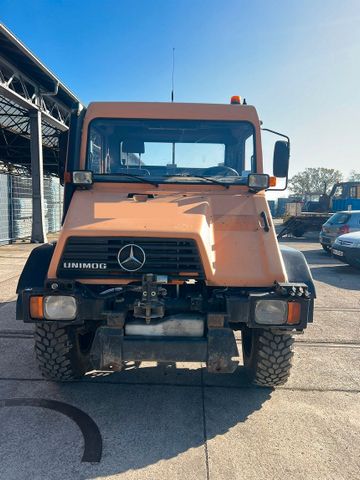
(234, 247)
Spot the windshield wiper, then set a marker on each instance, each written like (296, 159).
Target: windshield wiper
(131, 175)
(209, 179)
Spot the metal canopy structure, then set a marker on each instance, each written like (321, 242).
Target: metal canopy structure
(35, 109)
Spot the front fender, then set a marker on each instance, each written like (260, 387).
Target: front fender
(297, 268)
(34, 273)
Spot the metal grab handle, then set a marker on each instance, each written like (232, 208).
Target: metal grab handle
(266, 225)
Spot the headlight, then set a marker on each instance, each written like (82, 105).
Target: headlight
(258, 181)
(82, 177)
(271, 312)
(356, 244)
(60, 307)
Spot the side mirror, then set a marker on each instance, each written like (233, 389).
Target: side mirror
(281, 159)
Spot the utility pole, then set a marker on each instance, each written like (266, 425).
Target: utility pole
(38, 234)
(173, 97)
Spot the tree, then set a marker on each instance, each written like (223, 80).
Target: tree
(354, 176)
(314, 181)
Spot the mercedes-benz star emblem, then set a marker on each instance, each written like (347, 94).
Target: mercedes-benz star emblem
(131, 257)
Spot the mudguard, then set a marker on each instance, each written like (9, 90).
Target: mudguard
(297, 269)
(34, 273)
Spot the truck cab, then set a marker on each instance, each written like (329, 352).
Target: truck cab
(167, 247)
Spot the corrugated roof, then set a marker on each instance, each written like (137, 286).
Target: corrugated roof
(15, 52)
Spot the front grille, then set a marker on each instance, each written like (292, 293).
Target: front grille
(96, 257)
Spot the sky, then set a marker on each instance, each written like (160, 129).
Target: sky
(297, 61)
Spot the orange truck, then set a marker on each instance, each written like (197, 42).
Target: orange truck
(167, 247)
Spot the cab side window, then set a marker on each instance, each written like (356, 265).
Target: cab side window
(249, 156)
(96, 152)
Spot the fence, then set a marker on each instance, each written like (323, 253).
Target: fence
(16, 206)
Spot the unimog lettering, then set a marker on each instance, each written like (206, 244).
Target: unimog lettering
(167, 247)
(85, 266)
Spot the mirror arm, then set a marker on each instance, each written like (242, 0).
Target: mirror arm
(287, 177)
(279, 189)
(277, 133)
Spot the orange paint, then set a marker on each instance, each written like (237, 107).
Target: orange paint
(226, 224)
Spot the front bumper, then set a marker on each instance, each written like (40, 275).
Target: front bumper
(327, 240)
(111, 348)
(237, 305)
(346, 254)
(217, 347)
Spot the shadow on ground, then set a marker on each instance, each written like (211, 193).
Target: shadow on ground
(341, 276)
(142, 420)
(165, 420)
(318, 256)
(327, 269)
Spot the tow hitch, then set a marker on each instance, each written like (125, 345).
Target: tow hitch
(151, 305)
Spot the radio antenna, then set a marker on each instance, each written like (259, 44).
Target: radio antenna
(172, 76)
(172, 98)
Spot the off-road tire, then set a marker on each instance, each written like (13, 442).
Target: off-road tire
(267, 356)
(298, 232)
(61, 352)
(326, 248)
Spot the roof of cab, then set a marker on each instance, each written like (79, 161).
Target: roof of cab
(171, 111)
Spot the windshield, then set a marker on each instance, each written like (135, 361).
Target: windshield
(169, 151)
(338, 218)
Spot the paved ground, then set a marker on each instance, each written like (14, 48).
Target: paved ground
(175, 423)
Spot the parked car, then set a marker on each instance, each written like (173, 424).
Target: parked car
(339, 224)
(347, 249)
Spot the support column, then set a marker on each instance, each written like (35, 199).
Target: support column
(38, 233)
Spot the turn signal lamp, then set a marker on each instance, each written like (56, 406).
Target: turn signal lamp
(294, 311)
(344, 229)
(67, 177)
(272, 182)
(37, 307)
(235, 100)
